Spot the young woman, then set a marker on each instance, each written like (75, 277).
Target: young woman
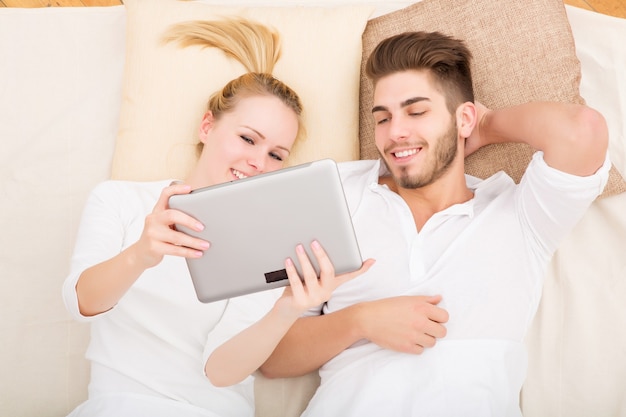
(128, 275)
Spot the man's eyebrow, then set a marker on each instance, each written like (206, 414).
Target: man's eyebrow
(404, 103)
(379, 108)
(412, 100)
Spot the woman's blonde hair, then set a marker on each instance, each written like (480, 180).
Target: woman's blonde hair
(255, 46)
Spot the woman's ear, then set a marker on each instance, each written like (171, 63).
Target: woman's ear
(206, 125)
(466, 118)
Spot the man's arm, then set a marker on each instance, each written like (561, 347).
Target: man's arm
(574, 138)
(241, 355)
(405, 324)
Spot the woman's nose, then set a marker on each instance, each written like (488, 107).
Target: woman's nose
(257, 162)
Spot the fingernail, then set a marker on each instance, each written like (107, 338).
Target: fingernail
(300, 249)
(315, 244)
(205, 244)
(199, 226)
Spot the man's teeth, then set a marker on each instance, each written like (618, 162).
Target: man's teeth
(239, 175)
(404, 154)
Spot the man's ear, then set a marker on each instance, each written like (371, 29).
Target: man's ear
(466, 118)
(206, 125)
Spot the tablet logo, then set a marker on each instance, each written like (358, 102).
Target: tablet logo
(274, 276)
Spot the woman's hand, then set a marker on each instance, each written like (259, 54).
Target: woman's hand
(311, 290)
(160, 237)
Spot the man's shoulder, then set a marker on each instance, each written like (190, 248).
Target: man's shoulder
(358, 171)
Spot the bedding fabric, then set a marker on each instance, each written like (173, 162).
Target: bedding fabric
(578, 365)
(61, 83)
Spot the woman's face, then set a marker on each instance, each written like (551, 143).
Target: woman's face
(254, 138)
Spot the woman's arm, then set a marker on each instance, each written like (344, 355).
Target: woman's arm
(240, 356)
(101, 286)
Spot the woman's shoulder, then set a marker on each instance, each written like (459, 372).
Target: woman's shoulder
(128, 192)
(124, 186)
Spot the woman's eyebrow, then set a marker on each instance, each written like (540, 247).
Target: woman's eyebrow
(255, 131)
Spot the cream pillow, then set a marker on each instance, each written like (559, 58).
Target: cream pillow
(61, 78)
(166, 88)
(522, 51)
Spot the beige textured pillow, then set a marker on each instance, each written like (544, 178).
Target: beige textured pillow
(523, 51)
(166, 88)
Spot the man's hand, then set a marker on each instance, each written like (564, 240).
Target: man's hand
(406, 324)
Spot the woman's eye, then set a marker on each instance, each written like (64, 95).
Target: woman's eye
(275, 156)
(381, 121)
(247, 139)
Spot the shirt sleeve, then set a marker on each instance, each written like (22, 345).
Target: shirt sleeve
(552, 202)
(100, 237)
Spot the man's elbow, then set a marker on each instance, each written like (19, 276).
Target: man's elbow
(592, 132)
(588, 141)
(268, 370)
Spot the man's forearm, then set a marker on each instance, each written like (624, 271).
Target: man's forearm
(311, 342)
(573, 138)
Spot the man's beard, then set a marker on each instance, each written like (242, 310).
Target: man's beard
(444, 153)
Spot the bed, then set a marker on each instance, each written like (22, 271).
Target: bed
(87, 95)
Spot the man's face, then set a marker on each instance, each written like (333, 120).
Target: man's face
(415, 133)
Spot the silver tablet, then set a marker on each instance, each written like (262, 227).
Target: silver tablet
(255, 223)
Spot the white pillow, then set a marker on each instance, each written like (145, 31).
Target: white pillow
(380, 6)
(166, 87)
(603, 67)
(61, 78)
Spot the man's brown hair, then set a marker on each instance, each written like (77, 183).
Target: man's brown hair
(445, 58)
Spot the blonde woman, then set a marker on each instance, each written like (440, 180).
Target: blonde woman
(128, 275)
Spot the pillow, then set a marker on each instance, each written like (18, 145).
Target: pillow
(61, 83)
(603, 65)
(166, 87)
(523, 51)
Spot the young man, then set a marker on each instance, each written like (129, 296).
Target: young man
(449, 248)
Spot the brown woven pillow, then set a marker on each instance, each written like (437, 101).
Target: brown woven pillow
(523, 51)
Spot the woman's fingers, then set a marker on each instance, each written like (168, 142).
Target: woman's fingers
(295, 282)
(167, 192)
(309, 289)
(309, 275)
(161, 236)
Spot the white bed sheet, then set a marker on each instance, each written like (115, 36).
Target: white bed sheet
(60, 83)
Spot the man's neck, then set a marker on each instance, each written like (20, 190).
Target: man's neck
(425, 201)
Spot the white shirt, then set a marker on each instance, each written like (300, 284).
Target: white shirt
(147, 352)
(486, 257)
